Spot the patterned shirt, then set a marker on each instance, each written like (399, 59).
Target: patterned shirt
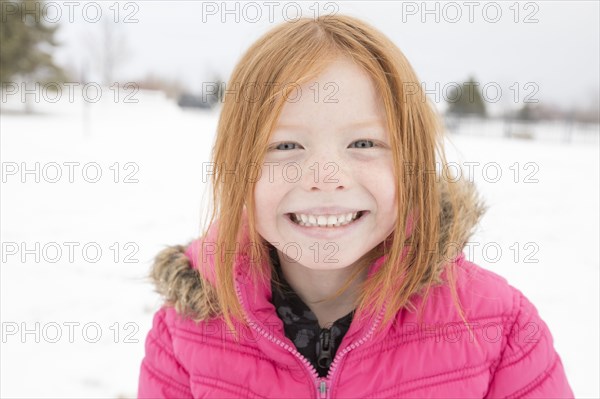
(318, 345)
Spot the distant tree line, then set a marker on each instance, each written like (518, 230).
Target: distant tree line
(466, 100)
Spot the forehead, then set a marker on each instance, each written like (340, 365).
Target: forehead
(342, 94)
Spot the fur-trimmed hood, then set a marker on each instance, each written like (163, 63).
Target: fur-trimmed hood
(190, 289)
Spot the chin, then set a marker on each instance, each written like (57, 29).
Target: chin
(328, 262)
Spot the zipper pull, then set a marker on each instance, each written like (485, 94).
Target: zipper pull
(323, 389)
(324, 349)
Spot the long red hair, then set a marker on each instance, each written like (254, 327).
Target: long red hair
(292, 54)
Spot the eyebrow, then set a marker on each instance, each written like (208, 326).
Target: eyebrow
(372, 122)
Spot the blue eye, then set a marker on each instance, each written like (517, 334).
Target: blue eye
(363, 145)
(288, 145)
(284, 146)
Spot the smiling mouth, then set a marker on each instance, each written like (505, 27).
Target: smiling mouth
(331, 221)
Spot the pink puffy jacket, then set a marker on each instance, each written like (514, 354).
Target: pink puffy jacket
(437, 358)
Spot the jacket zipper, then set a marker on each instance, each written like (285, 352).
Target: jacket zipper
(321, 382)
(340, 355)
(324, 356)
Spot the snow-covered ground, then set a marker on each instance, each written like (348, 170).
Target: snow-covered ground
(75, 327)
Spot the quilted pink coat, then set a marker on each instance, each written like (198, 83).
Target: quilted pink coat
(437, 358)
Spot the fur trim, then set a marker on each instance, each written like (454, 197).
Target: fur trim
(193, 296)
(181, 285)
(457, 225)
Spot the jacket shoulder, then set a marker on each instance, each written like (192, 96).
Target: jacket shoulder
(528, 364)
(484, 292)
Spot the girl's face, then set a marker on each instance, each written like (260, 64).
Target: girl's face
(329, 157)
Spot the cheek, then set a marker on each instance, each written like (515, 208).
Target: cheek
(381, 185)
(380, 181)
(264, 218)
(262, 200)
(268, 193)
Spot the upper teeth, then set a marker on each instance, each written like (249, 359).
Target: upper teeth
(325, 220)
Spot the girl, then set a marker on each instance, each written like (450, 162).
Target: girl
(333, 265)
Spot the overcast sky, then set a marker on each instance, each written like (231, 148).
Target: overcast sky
(558, 50)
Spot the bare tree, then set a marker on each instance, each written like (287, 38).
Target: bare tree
(108, 48)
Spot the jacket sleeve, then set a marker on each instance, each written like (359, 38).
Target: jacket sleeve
(161, 375)
(529, 366)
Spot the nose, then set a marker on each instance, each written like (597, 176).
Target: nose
(327, 173)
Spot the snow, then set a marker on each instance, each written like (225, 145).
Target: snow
(554, 220)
